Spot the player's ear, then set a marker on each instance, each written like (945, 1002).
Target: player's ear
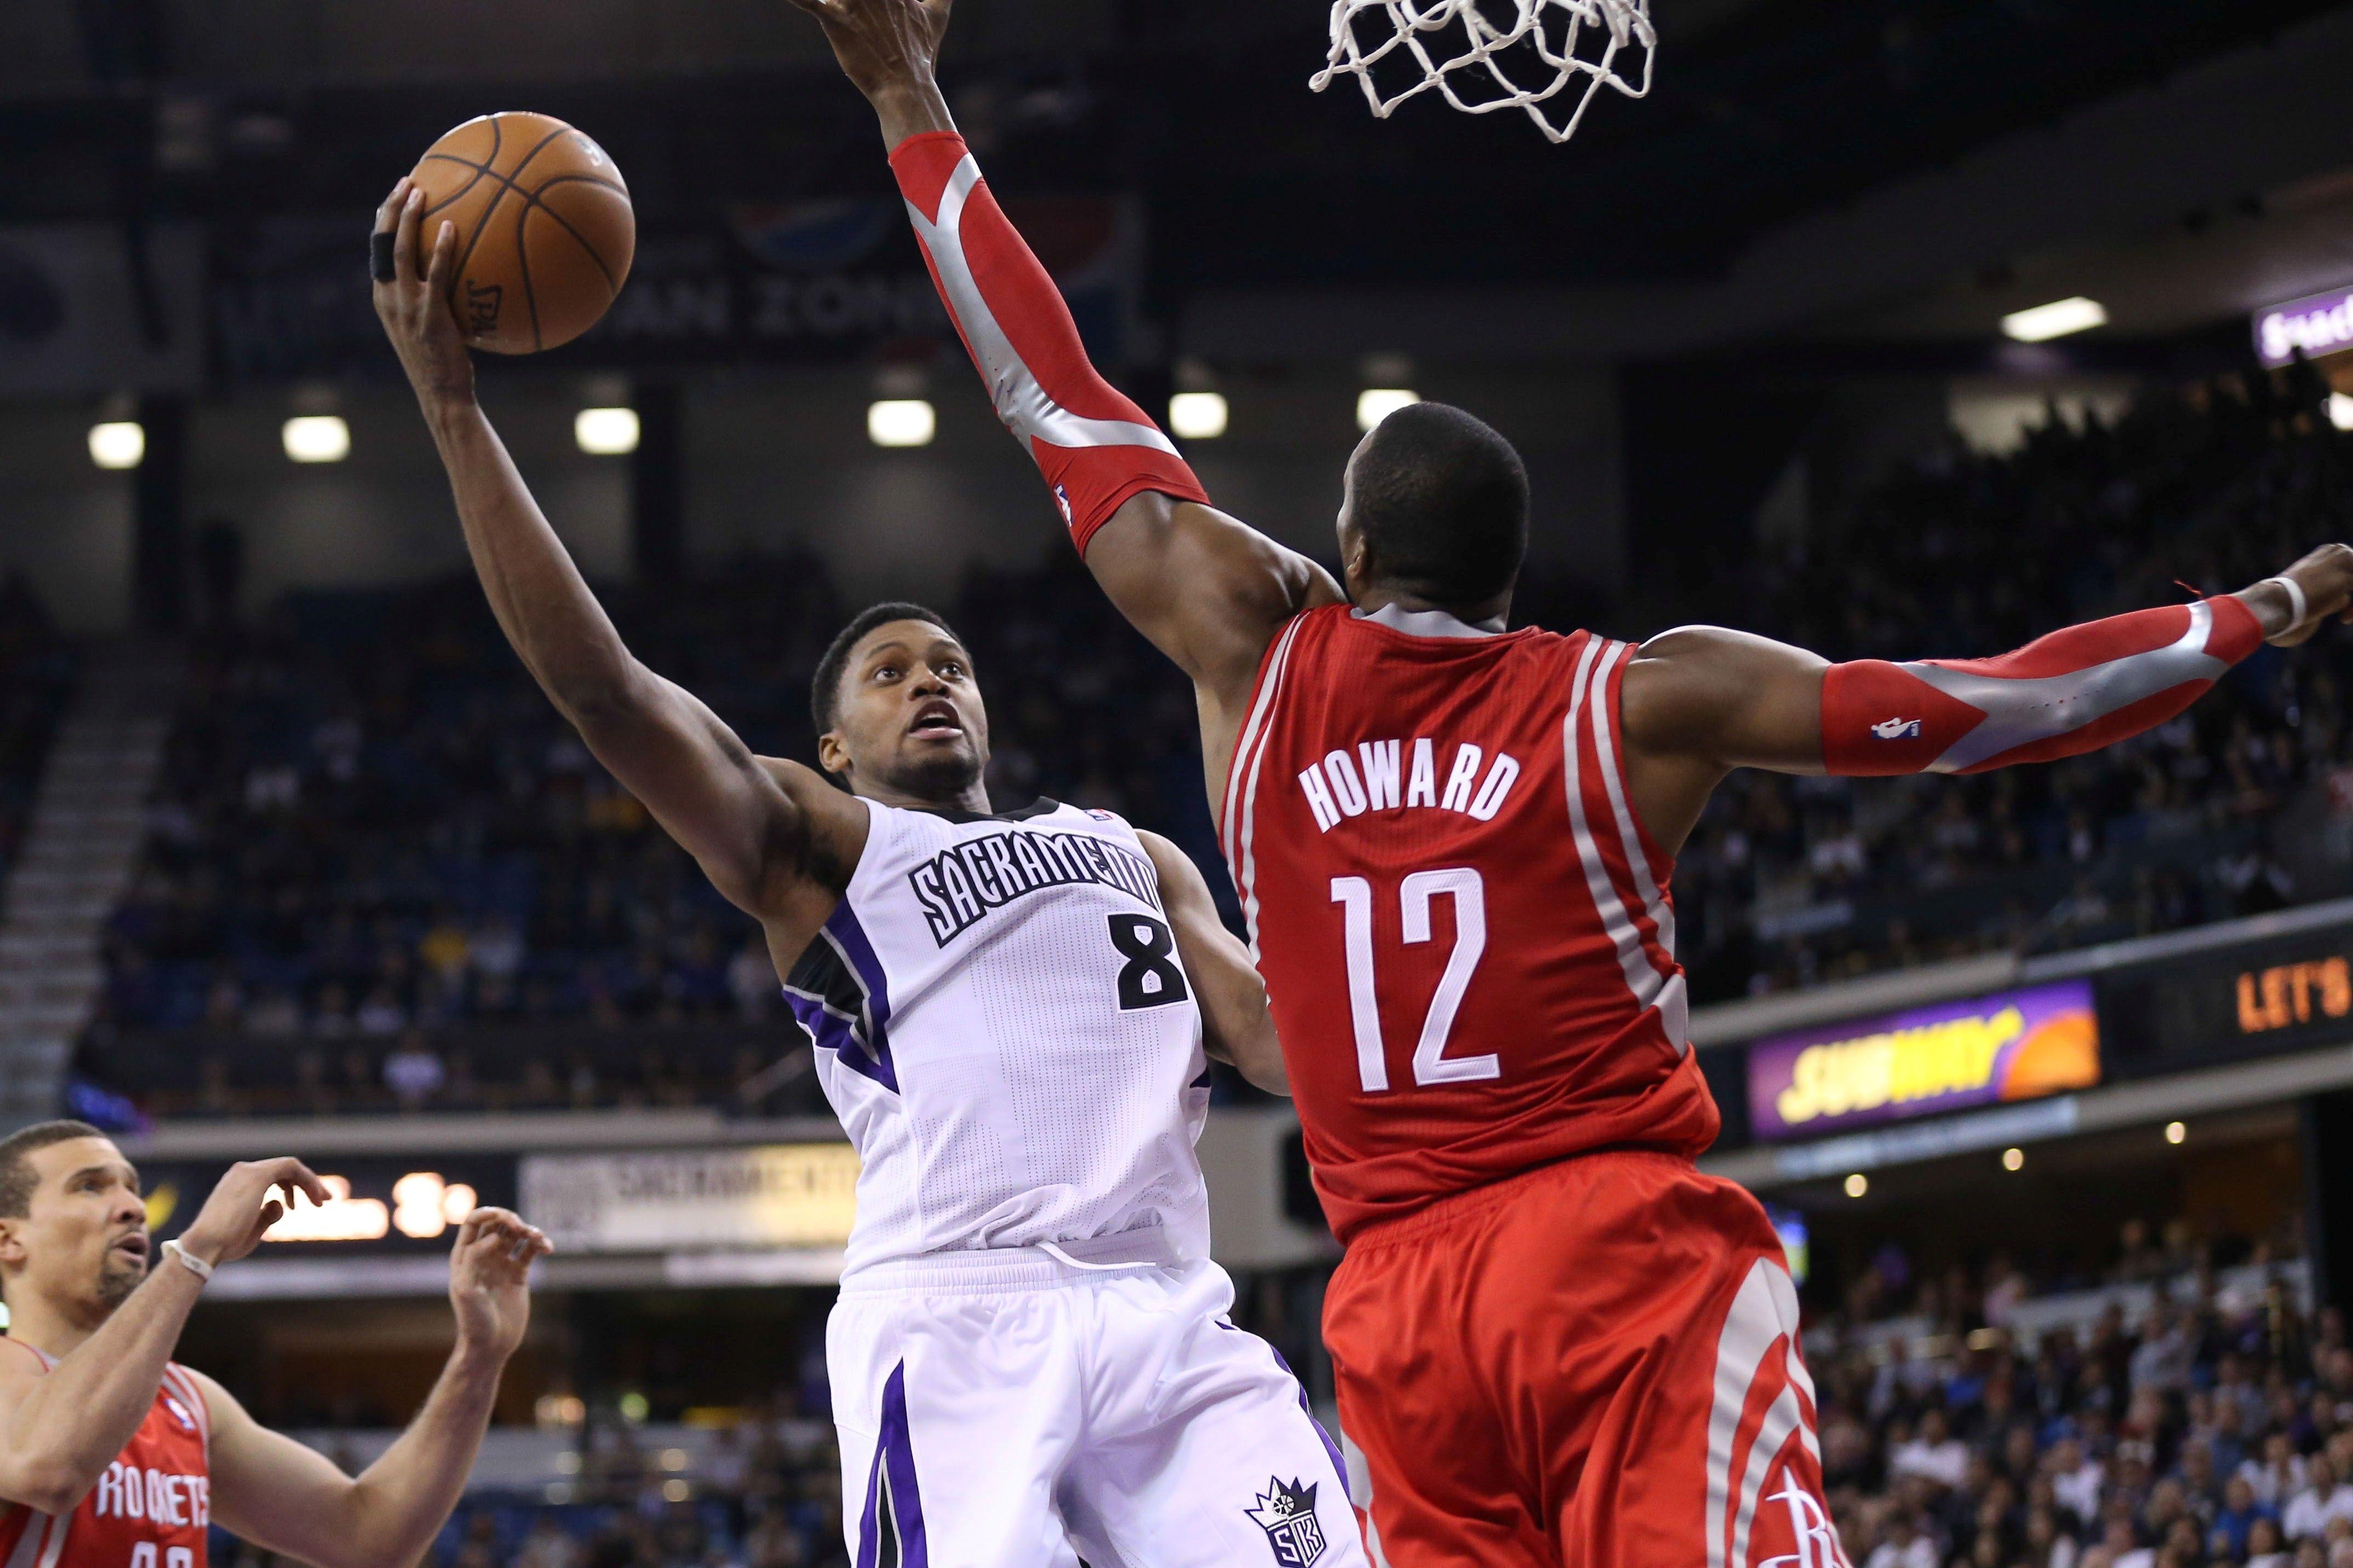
(833, 755)
(1356, 555)
(12, 1242)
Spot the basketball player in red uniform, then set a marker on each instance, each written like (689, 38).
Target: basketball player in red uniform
(1555, 1341)
(114, 1455)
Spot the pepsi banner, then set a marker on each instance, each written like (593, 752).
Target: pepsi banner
(1924, 1061)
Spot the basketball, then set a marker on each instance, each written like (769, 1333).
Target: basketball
(545, 232)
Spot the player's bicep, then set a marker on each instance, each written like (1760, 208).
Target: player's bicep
(1727, 698)
(1236, 1024)
(703, 785)
(25, 1474)
(1205, 589)
(269, 1489)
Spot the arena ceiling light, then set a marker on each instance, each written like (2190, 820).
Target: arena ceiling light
(1857, 1185)
(606, 432)
(2056, 320)
(900, 422)
(317, 438)
(118, 443)
(1197, 415)
(2341, 414)
(1376, 403)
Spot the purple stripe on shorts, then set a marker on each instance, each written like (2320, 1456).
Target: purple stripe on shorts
(899, 1457)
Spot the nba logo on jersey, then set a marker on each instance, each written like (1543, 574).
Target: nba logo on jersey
(1287, 1514)
(180, 1413)
(1898, 729)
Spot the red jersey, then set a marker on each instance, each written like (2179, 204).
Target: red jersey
(151, 1508)
(1466, 935)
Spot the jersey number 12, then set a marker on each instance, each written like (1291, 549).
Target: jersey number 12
(1431, 1065)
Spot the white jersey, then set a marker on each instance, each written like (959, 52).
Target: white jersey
(1006, 1030)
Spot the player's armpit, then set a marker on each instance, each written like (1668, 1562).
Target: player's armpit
(1203, 588)
(1236, 1024)
(760, 842)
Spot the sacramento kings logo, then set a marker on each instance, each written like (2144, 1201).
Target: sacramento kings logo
(1287, 1514)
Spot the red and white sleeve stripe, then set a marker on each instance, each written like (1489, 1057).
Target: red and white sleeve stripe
(2062, 694)
(1097, 449)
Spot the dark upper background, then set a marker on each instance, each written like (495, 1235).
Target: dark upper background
(1764, 110)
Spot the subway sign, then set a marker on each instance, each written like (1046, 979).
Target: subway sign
(1924, 1061)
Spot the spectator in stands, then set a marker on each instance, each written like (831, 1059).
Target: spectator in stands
(413, 1073)
(1933, 1453)
(2322, 1500)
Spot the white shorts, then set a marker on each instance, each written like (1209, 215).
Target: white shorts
(1007, 1410)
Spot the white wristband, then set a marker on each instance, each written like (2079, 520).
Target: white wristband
(2296, 600)
(188, 1260)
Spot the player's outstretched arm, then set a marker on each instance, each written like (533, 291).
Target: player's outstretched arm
(767, 843)
(1236, 1027)
(290, 1500)
(62, 1425)
(1702, 700)
(1206, 590)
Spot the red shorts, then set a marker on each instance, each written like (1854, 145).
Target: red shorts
(1591, 1365)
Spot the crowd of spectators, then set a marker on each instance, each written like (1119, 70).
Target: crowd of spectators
(2172, 1417)
(766, 1493)
(37, 670)
(373, 829)
(2211, 1429)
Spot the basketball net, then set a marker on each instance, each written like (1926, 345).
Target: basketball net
(1542, 56)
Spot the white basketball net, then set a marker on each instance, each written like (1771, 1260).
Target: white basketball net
(1547, 56)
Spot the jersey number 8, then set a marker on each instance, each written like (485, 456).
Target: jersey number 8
(1150, 977)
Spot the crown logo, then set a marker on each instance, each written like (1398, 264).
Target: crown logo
(1286, 1512)
(1282, 1502)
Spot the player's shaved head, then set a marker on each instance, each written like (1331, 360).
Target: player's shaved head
(1440, 503)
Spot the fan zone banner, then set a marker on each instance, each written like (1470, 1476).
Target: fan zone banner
(791, 282)
(2010, 1046)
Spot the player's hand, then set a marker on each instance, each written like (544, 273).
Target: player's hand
(241, 1207)
(414, 305)
(883, 45)
(490, 1280)
(2326, 578)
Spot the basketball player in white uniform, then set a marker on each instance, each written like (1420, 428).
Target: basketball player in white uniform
(1032, 1361)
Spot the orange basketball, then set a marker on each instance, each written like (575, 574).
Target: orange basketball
(545, 232)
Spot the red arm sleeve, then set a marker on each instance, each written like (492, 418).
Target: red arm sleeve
(2062, 694)
(1096, 448)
